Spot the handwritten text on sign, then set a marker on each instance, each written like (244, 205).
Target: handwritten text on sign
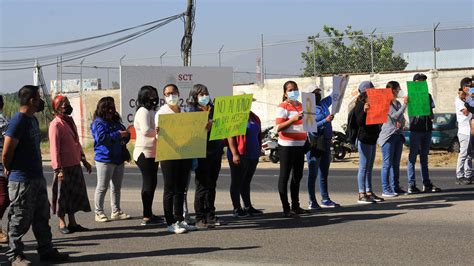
(231, 114)
(182, 136)
(379, 101)
(418, 98)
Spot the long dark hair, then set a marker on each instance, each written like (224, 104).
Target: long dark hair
(102, 111)
(286, 84)
(143, 98)
(193, 94)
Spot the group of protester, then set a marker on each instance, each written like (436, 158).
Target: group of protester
(27, 195)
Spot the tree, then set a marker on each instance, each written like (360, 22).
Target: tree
(349, 52)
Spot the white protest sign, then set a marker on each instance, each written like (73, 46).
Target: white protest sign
(218, 80)
(339, 85)
(309, 112)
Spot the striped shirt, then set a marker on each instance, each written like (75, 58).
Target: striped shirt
(294, 135)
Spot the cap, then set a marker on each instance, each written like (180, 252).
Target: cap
(57, 101)
(365, 85)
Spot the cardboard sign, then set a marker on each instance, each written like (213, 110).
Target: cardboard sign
(379, 101)
(231, 115)
(418, 98)
(309, 112)
(182, 136)
(339, 85)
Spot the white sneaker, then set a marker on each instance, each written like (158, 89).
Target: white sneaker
(187, 226)
(101, 218)
(120, 215)
(389, 194)
(175, 228)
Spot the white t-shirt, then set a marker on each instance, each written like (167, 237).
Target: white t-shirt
(463, 120)
(144, 124)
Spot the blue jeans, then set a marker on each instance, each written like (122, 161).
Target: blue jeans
(391, 155)
(366, 164)
(319, 167)
(419, 144)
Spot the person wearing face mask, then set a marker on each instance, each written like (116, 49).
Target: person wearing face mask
(208, 168)
(26, 183)
(69, 188)
(291, 142)
(319, 158)
(175, 172)
(367, 136)
(145, 150)
(110, 139)
(391, 141)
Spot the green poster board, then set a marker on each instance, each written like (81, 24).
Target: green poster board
(231, 114)
(418, 99)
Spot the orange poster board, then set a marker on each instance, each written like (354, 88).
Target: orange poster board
(379, 101)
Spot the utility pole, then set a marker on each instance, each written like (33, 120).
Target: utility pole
(262, 65)
(188, 35)
(372, 52)
(161, 58)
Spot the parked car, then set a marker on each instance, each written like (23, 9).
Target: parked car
(445, 131)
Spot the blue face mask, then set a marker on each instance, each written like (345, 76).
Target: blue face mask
(203, 100)
(293, 95)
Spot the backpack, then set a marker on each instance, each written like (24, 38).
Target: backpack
(352, 127)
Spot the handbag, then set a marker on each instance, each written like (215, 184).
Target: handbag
(126, 154)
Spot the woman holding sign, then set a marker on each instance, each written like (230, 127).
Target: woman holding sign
(367, 136)
(243, 154)
(291, 142)
(145, 149)
(175, 172)
(208, 168)
(391, 140)
(319, 157)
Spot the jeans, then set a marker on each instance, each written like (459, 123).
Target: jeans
(108, 173)
(149, 169)
(366, 164)
(241, 176)
(419, 144)
(464, 165)
(175, 176)
(207, 173)
(391, 155)
(291, 162)
(29, 207)
(319, 167)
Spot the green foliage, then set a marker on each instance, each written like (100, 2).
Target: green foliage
(12, 105)
(349, 52)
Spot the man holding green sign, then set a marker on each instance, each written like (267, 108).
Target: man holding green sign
(420, 110)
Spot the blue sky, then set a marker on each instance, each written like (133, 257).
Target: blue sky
(234, 24)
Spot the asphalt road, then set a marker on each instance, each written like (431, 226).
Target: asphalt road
(421, 229)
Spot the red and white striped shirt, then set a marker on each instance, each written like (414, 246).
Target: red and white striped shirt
(294, 135)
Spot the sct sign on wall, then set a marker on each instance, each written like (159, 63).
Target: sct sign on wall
(218, 80)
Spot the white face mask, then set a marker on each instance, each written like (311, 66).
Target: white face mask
(172, 99)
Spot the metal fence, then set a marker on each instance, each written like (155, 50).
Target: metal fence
(290, 56)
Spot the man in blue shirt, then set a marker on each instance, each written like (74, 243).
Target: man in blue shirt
(26, 184)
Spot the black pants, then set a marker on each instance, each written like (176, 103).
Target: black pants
(149, 169)
(207, 173)
(175, 175)
(241, 176)
(291, 161)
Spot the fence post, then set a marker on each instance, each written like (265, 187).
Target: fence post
(372, 52)
(434, 45)
(314, 56)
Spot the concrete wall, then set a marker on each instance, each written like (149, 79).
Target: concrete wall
(443, 85)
